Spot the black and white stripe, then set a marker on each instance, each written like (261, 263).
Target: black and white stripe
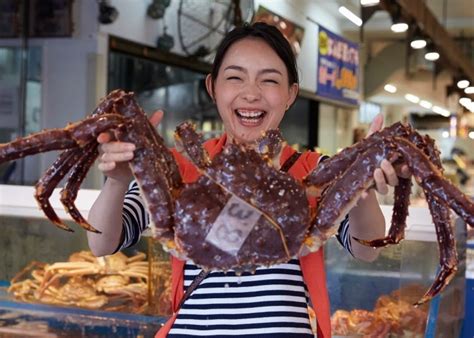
(270, 303)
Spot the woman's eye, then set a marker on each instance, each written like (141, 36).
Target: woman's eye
(270, 81)
(233, 78)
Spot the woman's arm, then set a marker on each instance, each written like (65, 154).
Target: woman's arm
(106, 216)
(366, 222)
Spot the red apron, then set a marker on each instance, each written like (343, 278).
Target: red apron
(312, 265)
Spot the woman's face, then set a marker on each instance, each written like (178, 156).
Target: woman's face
(251, 90)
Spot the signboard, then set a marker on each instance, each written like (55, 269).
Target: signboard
(338, 68)
(291, 31)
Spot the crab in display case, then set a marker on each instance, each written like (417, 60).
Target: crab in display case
(114, 282)
(243, 211)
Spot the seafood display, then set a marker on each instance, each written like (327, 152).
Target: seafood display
(113, 283)
(392, 317)
(243, 211)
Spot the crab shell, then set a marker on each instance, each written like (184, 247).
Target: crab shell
(240, 186)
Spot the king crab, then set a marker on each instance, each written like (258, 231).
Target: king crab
(243, 211)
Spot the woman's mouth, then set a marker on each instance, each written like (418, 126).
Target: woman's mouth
(250, 117)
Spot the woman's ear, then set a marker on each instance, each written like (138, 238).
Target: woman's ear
(294, 88)
(209, 87)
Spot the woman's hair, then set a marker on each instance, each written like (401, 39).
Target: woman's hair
(270, 34)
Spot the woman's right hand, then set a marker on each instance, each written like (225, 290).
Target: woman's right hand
(115, 155)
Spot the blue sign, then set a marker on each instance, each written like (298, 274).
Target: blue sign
(338, 68)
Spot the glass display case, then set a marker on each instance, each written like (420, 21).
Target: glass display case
(376, 299)
(52, 285)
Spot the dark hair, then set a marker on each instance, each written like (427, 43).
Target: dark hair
(270, 34)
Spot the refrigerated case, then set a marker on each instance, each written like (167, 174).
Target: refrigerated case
(377, 298)
(27, 237)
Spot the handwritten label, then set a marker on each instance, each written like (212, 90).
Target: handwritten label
(233, 225)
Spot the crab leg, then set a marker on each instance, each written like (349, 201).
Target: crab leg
(46, 184)
(340, 197)
(430, 178)
(447, 247)
(74, 135)
(193, 147)
(327, 171)
(70, 190)
(147, 167)
(400, 212)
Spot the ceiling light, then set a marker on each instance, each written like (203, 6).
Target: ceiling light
(390, 88)
(431, 53)
(350, 16)
(464, 101)
(369, 2)
(412, 98)
(426, 104)
(441, 111)
(432, 56)
(463, 84)
(469, 90)
(471, 135)
(470, 106)
(399, 27)
(445, 134)
(418, 43)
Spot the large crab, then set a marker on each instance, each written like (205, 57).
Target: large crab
(243, 211)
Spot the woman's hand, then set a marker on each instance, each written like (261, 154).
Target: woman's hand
(387, 174)
(115, 155)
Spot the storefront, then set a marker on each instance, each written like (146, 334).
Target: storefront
(60, 79)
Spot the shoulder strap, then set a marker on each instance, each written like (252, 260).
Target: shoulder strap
(290, 161)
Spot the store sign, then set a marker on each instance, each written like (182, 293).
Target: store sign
(338, 68)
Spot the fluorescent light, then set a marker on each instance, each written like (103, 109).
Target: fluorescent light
(464, 101)
(432, 56)
(350, 16)
(463, 84)
(412, 98)
(426, 104)
(470, 106)
(418, 43)
(369, 2)
(441, 111)
(469, 90)
(399, 27)
(390, 88)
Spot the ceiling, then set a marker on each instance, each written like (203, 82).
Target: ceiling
(457, 16)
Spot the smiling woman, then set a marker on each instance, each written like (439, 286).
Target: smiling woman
(254, 80)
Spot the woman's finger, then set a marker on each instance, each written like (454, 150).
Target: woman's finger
(380, 183)
(156, 117)
(104, 137)
(389, 172)
(116, 157)
(376, 124)
(117, 147)
(106, 166)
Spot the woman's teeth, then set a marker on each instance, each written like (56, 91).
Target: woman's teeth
(247, 114)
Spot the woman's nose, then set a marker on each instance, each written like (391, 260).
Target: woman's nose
(251, 92)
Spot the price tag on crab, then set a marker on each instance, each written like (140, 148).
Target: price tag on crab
(233, 225)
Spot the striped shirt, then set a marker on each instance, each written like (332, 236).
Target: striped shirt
(270, 303)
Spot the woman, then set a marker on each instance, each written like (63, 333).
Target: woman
(253, 82)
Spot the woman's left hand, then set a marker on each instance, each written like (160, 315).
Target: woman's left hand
(387, 174)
